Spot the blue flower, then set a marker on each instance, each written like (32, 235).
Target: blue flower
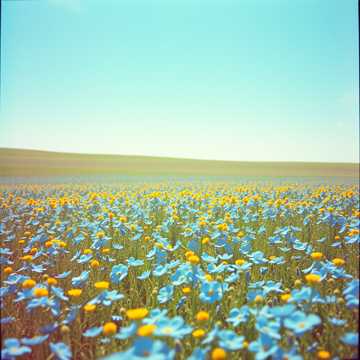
(144, 275)
(300, 323)
(351, 294)
(92, 332)
(337, 322)
(199, 354)
(134, 262)
(238, 316)
(126, 332)
(160, 270)
(213, 333)
(282, 311)
(230, 341)
(59, 293)
(35, 340)
(211, 292)
(145, 347)
(80, 280)
(175, 327)
(155, 315)
(165, 294)
(107, 297)
(61, 351)
(268, 327)
(118, 273)
(63, 275)
(12, 348)
(264, 347)
(84, 258)
(350, 338)
(7, 320)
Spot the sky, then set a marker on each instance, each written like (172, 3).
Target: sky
(229, 79)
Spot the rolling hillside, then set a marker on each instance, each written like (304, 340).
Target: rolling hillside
(17, 162)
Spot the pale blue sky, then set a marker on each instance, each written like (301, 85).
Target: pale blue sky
(227, 79)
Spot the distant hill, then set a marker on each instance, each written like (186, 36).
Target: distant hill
(18, 162)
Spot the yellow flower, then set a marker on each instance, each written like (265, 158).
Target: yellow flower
(33, 251)
(208, 277)
(317, 256)
(28, 284)
(240, 262)
(194, 259)
(8, 270)
(90, 307)
(205, 240)
(297, 283)
(189, 253)
(40, 292)
(100, 234)
(338, 262)
(26, 258)
(102, 285)
(218, 354)
(105, 250)
(64, 329)
(313, 278)
(87, 251)
(74, 292)
(146, 330)
(186, 290)
(109, 328)
(51, 281)
(323, 355)
(48, 243)
(285, 297)
(198, 333)
(137, 314)
(258, 299)
(94, 264)
(202, 316)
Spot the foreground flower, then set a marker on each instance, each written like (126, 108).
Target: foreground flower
(317, 256)
(28, 284)
(313, 279)
(109, 328)
(202, 316)
(74, 292)
(338, 262)
(323, 355)
(13, 348)
(103, 285)
(218, 354)
(137, 314)
(61, 351)
(198, 333)
(146, 330)
(300, 323)
(90, 307)
(40, 292)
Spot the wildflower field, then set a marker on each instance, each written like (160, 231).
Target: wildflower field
(179, 271)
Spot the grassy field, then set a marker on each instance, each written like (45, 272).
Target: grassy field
(16, 162)
(179, 271)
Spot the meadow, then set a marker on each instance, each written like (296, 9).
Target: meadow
(179, 270)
